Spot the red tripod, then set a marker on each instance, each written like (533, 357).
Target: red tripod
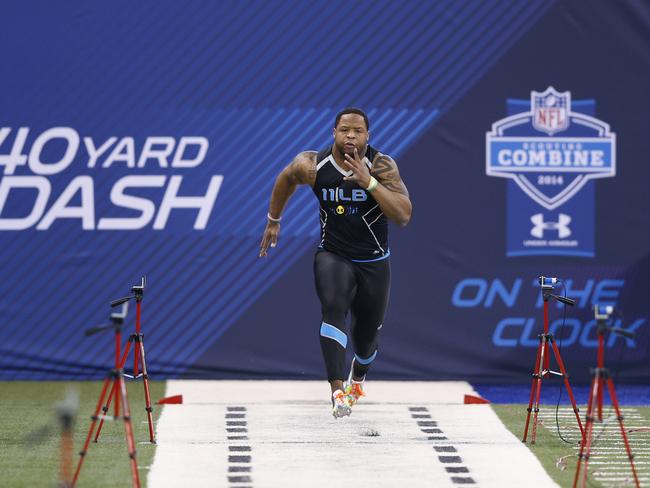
(600, 378)
(119, 387)
(138, 358)
(542, 362)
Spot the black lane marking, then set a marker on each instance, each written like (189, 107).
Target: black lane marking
(239, 455)
(235, 415)
(462, 480)
(445, 449)
(431, 427)
(239, 448)
(240, 479)
(239, 459)
(450, 459)
(427, 423)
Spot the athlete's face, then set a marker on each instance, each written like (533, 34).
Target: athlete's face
(350, 133)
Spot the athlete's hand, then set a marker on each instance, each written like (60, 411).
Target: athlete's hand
(270, 237)
(360, 172)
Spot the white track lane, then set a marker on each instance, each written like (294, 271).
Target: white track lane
(294, 441)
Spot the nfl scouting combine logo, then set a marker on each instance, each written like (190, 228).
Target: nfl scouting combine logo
(550, 148)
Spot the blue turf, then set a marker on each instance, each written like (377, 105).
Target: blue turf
(626, 394)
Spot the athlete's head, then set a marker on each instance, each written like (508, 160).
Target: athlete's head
(351, 129)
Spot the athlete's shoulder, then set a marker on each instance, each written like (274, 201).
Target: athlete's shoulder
(306, 156)
(385, 169)
(302, 169)
(378, 156)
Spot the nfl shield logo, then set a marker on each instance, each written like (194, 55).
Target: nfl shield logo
(552, 171)
(550, 110)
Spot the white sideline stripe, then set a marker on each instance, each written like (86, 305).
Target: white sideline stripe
(295, 439)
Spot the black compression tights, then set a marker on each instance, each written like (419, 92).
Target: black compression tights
(360, 289)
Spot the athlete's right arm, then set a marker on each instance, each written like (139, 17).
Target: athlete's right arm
(301, 171)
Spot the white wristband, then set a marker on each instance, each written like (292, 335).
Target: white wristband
(271, 219)
(372, 185)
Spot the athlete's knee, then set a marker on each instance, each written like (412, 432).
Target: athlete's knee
(333, 309)
(365, 336)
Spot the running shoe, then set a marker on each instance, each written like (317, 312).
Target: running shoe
(354, 391)
(340, 406)
(353, 388)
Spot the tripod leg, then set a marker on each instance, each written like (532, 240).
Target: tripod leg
(104, 412)
(82, 453)
(612, 394)
(128, 430)
(116, 413)
(125, 355)
(565, 375)
(114, 393)
(532, 389)
(601, 388)
(540, 377)
(147, 396)
(547, 362)
(588, 434)
(593, 400)
(136, 356)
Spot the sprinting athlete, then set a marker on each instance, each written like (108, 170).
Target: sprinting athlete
(358, 189)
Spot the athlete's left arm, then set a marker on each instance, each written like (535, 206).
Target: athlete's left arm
(390, 193)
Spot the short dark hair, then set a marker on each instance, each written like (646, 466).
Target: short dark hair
(352, 110)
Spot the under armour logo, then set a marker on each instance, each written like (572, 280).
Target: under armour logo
(562, 226)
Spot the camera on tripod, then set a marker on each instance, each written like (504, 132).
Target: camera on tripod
(601, 382)
(603, 312)
(138, 290)
(542, 362)
(548, 285)
(546, 282)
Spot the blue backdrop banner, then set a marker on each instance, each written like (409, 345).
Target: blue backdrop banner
(144, 138)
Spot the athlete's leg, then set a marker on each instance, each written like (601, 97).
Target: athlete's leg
(368, 311)
(336, 287)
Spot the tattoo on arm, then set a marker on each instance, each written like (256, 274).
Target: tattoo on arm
(385, 171)
(302, 169)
